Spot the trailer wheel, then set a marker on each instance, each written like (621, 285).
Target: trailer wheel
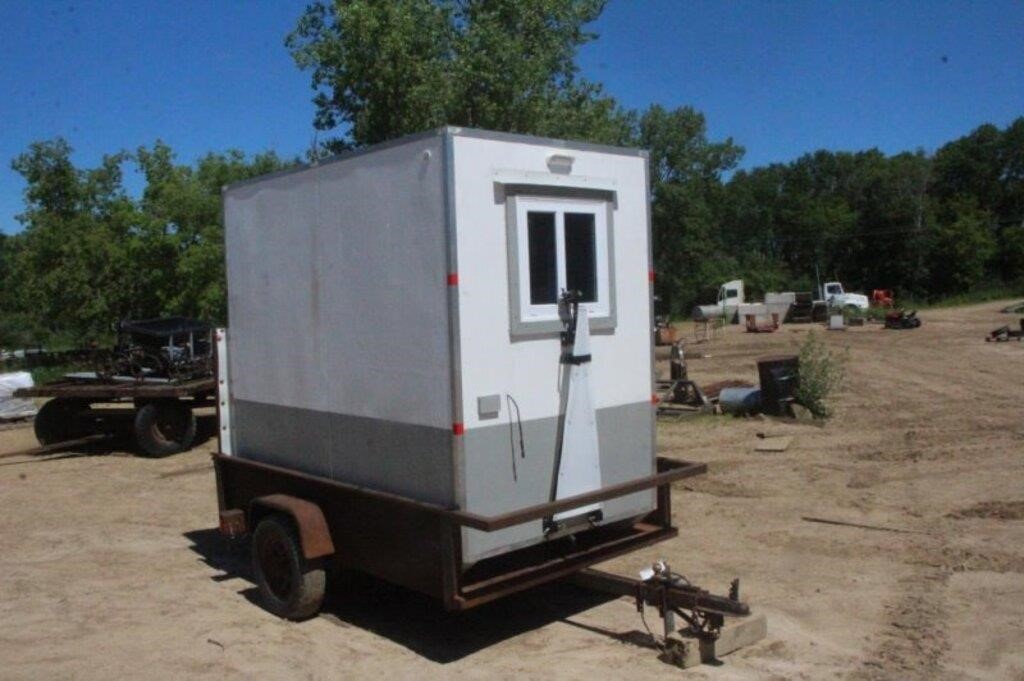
(58, 421)
(164, 427)
(291, 586)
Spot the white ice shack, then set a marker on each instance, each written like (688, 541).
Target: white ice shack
(394, 322)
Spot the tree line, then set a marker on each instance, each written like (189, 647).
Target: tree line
(927, 225)
(91, 254)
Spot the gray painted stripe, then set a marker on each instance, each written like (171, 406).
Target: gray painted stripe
(417, 461)
(400, 458)
(625, 443)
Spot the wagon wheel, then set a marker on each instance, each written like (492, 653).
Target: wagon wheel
(291, 586)
(164, 427)
(60, 419)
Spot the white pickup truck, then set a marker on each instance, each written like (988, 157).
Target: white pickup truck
(835, 296)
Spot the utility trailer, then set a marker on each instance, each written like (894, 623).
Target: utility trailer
(161, 413)
(440, 370)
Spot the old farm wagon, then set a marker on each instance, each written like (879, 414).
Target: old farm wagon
(439, 368)
(157, 374)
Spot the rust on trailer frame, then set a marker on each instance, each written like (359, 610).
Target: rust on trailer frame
(419, 544)
(314, 535)
(232, 523)
(595, 546)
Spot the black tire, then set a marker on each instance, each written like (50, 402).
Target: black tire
(164, 427)
(59, 419)
(291, 586)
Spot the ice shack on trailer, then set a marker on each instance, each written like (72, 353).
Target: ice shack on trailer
(461, 318)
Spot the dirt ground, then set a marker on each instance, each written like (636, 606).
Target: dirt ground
(109, 567)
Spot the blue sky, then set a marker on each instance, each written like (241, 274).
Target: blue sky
(781, 78)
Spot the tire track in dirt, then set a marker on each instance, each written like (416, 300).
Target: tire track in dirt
(916, 638)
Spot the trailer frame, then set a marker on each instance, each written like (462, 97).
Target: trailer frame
(417, 545)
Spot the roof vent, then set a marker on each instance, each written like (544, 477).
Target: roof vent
(560, 163)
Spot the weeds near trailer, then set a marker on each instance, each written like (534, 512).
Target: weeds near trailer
(822, 372)
(874, 314)
(45, 374)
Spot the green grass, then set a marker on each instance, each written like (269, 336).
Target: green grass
(42, 375)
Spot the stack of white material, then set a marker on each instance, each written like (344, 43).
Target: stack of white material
(12, 407)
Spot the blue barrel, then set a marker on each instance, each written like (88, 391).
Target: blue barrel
(740, 401)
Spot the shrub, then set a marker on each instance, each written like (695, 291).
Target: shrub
(875, 314)
(821, 373)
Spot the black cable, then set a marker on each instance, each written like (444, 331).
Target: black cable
(511, 439)
(519, 421)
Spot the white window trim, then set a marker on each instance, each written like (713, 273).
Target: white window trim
(529, 319)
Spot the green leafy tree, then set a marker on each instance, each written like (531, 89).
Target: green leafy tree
(987, 167)
(15, 328)
(1011, 254)
(1011, 207)
(962, 247)
(72, 276)
(90, 254)
(183, 205)
(5, 269)
(972, 166)
(384, 68)
(686, 183)
(864, 218)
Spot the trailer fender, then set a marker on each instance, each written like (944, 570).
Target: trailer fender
(309, 519)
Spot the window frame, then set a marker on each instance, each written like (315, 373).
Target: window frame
(527, 319)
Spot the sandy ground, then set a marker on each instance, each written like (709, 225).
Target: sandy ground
(109, 567)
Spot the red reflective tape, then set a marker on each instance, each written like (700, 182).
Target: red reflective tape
(458, 428)
(655, 399)
(650, 276)
(453, 279)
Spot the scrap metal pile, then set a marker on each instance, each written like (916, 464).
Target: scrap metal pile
(164, 349)
(902, 319)
(778, 377)
(1005, 333)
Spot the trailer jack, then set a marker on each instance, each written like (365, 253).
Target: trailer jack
(673, 595)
